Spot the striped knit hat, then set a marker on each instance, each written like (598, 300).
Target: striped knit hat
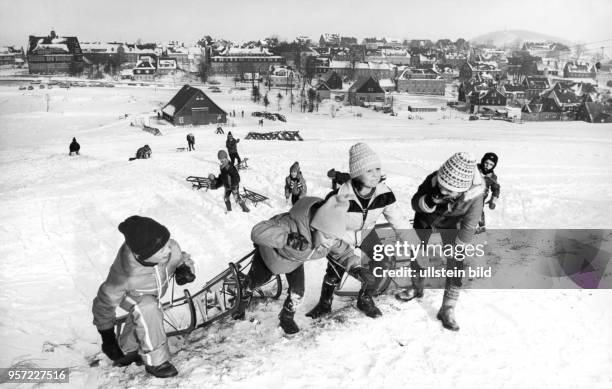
(361, 159)
(457, 173)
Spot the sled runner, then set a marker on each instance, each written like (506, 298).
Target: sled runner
(253, 197)
(201, 182)
(243, 164)
(217, 299)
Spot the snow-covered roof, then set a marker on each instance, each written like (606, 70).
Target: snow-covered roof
(169, 109)
(386, 83)
(255, 51)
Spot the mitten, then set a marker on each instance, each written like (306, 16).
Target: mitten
(297, 241)
(491, 204)
(183, 274)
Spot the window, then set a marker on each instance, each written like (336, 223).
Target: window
(181, 120)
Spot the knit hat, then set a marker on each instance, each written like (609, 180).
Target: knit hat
(295, 167)
(361, 159)
(144, 236)
(490, 157)
(457, 173)
(330, 218)
(229, 134)
(222, 154)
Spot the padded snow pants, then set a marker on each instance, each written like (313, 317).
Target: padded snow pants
(144, 330)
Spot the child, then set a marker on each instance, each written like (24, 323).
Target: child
(143, 153)
(191, 141)
(74, 147)
(136, 282)
(449, 201)
(311, 230)
(230, 179)
(232, 148)
(369, 198)
(486, 166)
(295, 184)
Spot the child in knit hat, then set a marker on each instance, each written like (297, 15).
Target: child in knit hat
(295, 184)
(311, 230)
(449, 200)
(369, 198)
(136, 282)
(486, 166)
(232, 148)
(230, 179)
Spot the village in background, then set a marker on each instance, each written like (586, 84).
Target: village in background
(486, 78)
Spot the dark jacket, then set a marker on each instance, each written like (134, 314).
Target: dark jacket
(74, 146)
(228, 177)
(295, 186)
(143, 152)
(271, 238)
(491, 183)
(231, 144)
(462, 214)
(191, 138)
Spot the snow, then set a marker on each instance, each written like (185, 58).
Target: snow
(59, 237)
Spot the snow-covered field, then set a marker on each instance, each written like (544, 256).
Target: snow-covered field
(59, 217)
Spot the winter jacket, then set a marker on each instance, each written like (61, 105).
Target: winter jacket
(382, 202)
(128, 279)
(491, 183)
(74, 146)
(295, 186)
(190, 138)
(462, 213)
(143, 152)
(231, 144)
(271, 238)
(228, 177)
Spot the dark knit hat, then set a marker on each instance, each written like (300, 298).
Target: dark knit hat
(295, 168)
(222, 154)
(144, 236)
(491, 157)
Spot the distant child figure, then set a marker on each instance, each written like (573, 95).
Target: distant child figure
(230, 179)
(219, 130)
(295, 184)
(74, 147)
(338, 178)
(232, 148)
(242, 113)
(486, 166)
(191, 141)
(143, 153)
(136, 282)
(260, 122)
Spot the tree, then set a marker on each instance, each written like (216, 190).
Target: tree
(462, 44)
(279, 97)
(204, 71)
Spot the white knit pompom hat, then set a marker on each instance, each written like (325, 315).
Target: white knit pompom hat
(457, 173)
(361, 159)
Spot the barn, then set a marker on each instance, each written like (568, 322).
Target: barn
(192, 106)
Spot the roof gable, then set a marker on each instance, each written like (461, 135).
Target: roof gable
(364, 83)
(183, 96)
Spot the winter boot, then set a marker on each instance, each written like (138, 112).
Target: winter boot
(323, 307)
(164, 370)
(286, 317)
(243, 206)
(128, 359)
(418, 284)
(366, 304)
(228, 206)
(446, 314)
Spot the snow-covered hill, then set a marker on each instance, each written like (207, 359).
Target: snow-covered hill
(59, 235)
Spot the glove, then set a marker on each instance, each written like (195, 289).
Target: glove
(363, 275)
(491, 205)
(297, 241)
(110, 347)
(183, 274)
(436, 197)
(211, 177)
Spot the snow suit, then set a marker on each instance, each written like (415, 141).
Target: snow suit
(232, 148)
(142, 153)
(74, 147)
(492, 186)
(138, 290)
(295, 187)
(191, 141)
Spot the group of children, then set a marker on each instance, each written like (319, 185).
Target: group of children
(450, 200)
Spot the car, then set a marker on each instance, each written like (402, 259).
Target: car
(23, 87)
(30, 87)
(42, 86)
(216, 91)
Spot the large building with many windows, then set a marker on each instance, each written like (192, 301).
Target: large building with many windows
(234, 61)
(54, 55)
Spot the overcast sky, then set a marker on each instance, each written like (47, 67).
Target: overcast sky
(188, 20)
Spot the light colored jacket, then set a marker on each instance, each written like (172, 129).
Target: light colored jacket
(128, 278)
(271, 238)
(382, 202)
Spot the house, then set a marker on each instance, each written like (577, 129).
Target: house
(540, 109)
(422, 61)
(192, 106)
(604, 75)
(492, 98)
(475, 70)
(421, 81)
(365, 89)
(145, 70)
(11, 57)
(323, 90)
(387, 84)
(234, 61)
(166, 65)
(565, 97)
(329, 40)
(595, 113)
(54, 55)
(534, 85)
(281, 77)
(332, 80)
(575, 70)
(515, 93)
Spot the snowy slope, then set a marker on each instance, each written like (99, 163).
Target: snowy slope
(59, 236)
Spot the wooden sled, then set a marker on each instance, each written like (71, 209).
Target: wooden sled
(254, 197)
(200, 182)
(243, 165)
